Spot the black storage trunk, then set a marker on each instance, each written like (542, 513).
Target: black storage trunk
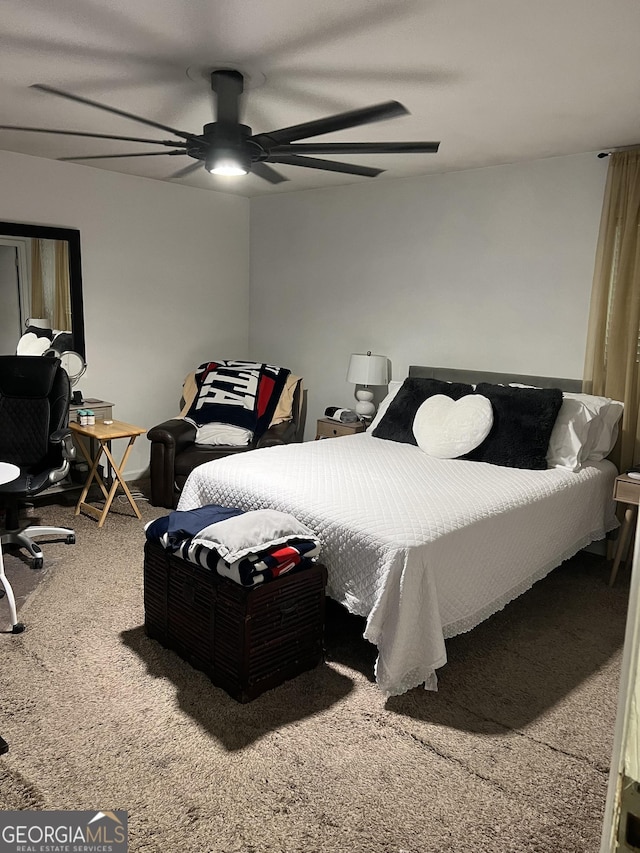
(247, 639)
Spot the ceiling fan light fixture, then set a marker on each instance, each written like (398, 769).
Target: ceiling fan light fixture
(228, 147)
(225, 162)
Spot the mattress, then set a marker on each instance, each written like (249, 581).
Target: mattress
(423, 548)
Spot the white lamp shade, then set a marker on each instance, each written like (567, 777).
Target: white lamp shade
(367, 369)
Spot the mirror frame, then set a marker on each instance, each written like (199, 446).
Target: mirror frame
(72, 237)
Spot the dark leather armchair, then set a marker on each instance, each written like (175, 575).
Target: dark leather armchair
(35, 437)
(174, 453)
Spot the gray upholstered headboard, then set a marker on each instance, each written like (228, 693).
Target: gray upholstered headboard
(453, 374)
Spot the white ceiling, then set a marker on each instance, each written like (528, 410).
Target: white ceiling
(497, 81)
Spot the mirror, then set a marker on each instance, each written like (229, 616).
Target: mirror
(75, 366)
(41, 278)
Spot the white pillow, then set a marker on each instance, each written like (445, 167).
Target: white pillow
(609, 416)
(394, 386)
(32, 344)
(223, 434)
(447, 428)
(572, 434)
(253, 531)
(586, 429)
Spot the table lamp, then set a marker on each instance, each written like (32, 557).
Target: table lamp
(366, 369)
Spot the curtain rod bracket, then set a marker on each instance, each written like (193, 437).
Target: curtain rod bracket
(616, 150)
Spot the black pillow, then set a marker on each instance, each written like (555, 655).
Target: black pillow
(397, 422)
(522, 422)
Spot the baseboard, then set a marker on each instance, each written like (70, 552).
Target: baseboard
(137, 474)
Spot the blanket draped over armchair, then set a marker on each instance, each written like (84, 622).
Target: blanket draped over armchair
(240, 394)
(266, 398)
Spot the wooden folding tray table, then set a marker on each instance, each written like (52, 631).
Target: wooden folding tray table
(104, 434)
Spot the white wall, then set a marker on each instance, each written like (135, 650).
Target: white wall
(165, 278)
(489, 269)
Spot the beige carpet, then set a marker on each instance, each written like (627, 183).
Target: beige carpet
(512, 753)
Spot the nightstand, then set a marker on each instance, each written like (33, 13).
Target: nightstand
(100, 408)
(626, 490)
(328, 428)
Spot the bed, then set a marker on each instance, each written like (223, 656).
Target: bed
(423, 548)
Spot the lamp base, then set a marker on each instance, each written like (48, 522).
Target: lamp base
(365, 407)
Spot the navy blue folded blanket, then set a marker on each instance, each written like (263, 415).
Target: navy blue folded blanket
(184, 525)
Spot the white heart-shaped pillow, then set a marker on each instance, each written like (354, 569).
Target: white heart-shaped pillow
(448, 428)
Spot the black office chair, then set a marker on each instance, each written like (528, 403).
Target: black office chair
(34, 435)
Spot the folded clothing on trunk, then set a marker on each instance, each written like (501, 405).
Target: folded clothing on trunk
(173, 529)
(254, 568)
(247, 547)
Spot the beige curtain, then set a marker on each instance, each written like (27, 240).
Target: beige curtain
(611, 362)
(37, 283)
(50, 284)
(62, 302)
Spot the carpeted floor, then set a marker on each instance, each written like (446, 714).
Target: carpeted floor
(512, 754)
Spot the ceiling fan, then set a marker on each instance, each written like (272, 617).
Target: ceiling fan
(227, 147)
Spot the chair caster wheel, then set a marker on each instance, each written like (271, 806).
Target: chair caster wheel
(18, 628)
(38, 562)
(71, 539)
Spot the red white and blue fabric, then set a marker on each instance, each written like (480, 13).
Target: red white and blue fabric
(265, 559)
(254, 569)
(239, 393)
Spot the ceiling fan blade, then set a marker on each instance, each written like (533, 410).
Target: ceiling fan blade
(170, 142)
(116, 156)
(358, 148)
(181, 173)
(228, 86)
(327, 165)
(266, 172)
(50, 90)
(340, 121)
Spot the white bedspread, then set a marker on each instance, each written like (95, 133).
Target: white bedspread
(423, 548)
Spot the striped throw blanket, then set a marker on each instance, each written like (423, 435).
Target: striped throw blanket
(241, 394)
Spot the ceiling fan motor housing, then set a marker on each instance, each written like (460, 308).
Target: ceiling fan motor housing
(221, 140)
